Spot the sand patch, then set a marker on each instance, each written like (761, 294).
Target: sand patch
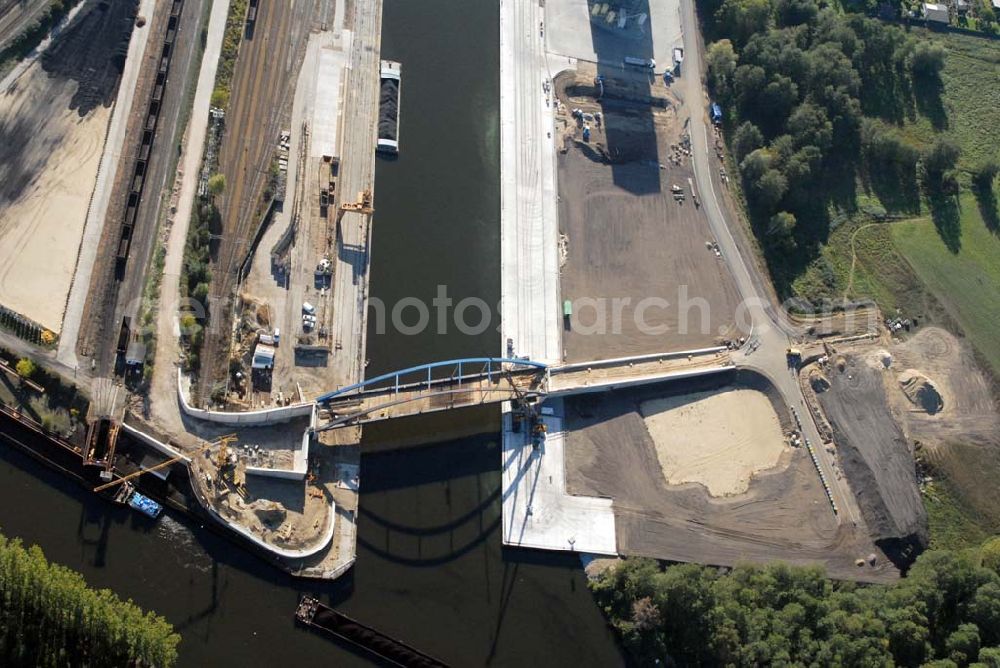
(717, 439)
(49, 156)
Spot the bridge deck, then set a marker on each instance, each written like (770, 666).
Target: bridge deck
(439, 395)
(416, 398)
(608, 374)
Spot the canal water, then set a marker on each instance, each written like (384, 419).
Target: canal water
(430, 567)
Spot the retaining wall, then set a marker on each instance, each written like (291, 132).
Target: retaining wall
(261, 417)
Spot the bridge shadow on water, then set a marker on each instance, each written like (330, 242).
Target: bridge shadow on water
(458, 483)
(628, 125)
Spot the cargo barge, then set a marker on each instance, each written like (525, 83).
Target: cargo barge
(388, 112)
(310, 612)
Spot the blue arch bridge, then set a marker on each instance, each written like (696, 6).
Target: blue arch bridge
(434, 387)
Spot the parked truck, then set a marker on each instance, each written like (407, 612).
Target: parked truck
(678, 59)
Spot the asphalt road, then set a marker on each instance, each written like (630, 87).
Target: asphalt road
(768, 329)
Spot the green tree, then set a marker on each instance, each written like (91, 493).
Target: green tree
(220, 98)
(784, 615)
(810, 126)
(984, 612)
(926, 60)
(796, 12)
(746, 139)
(740, 19)
(722, 60)
(26, 368)
(770, 188)
(963, 645)
(939, 162)
(990, 656)
(781, 231)
(50, 617)
(989, 554)
(217, 184)
(985, 173)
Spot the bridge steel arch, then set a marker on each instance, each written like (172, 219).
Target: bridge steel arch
(462, 368)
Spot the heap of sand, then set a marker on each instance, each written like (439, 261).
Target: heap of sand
(719, 440)
(49, 156)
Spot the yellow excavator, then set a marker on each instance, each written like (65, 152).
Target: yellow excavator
(362, 205)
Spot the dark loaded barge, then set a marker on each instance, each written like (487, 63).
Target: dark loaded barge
(315, 615)
(388, 112)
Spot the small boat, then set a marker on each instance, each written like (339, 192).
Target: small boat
(130, 497)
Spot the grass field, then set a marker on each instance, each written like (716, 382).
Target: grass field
(971, 99)
(967, 283)
(953, 525)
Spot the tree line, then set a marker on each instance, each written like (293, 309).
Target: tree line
(812, 101)
(49, 617)
(945, 612)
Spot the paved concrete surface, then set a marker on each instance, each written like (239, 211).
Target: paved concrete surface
(357, 173)
(529, 229)
(327, 111)
(96, 215)
(530, 250)
(569, 32)
(537, 511)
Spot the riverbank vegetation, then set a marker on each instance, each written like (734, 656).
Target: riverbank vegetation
(50, 617)
(947, 609)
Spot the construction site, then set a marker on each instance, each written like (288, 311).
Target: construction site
(638, 262)
(641, 415)
(718, 489)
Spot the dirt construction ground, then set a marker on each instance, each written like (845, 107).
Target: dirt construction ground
(53, 122)
(626, 237)
(784, 513)
(694, 445)
(962, 439)
(873, 452)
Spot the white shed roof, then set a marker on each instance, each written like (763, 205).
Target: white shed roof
(935, 12)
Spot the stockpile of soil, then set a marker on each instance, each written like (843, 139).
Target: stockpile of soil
(92, 51)
(876, 458)
(921, 391)
(819, 381)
